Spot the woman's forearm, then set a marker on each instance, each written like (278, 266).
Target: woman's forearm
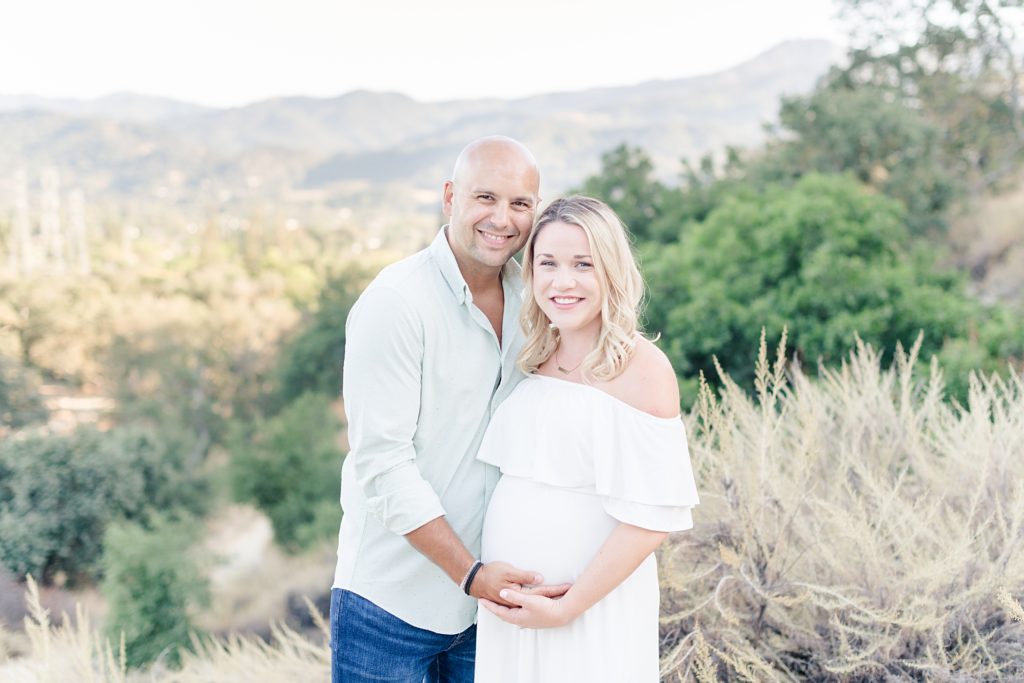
(619, 556)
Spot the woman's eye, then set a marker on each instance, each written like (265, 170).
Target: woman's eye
(583, 264)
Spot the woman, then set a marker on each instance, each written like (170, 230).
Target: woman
(595, 469)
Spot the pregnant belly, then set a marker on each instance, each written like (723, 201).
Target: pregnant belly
(551, 530)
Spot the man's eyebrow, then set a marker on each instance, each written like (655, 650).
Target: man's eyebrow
(480, 190)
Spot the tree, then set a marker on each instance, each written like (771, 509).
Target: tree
(152, 586)
(959, 62)
(290, 467)
(824, 258)
(59, 493)
(198, 351)
(882, 142)
(311, 360)
(627, 185)
(57, 324)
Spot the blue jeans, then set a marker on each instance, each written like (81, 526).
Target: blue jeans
(370, 644)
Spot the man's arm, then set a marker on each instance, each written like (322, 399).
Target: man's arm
(382, 379)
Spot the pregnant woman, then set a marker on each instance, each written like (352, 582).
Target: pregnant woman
(595, 468)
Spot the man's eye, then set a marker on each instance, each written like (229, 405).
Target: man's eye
(485, 197)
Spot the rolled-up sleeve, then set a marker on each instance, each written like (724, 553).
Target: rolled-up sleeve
(383, 375)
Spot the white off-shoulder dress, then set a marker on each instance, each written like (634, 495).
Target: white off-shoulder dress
(576, 461)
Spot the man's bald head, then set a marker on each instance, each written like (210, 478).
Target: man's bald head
(494, 149)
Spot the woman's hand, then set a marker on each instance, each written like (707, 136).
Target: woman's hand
(533, 611)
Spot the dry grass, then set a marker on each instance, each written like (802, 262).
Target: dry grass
(288, 658)
(62, 653)
(854, 528)
(77, 652)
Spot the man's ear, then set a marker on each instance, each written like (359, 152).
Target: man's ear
(447, 197)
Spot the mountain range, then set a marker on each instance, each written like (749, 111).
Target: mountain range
(363, 150)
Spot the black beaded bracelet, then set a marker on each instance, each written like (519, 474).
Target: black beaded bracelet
(468, 581)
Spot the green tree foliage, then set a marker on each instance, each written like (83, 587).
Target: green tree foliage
(152, 586)
(626, 183)
(311, 360)
(824, 258)
(20, 402)
(59, 493)
(883, 143)
(290, 467)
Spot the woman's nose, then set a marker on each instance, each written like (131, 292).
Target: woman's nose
(564, 280)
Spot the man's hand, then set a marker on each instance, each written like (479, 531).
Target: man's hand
(531, 611)
(495, 577)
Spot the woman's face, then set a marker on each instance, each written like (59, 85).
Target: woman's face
(565, 282)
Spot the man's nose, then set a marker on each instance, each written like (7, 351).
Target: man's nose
(499, 217)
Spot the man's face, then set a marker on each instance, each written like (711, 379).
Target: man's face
(490, 207)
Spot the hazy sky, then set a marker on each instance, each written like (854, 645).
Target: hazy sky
(230, 52)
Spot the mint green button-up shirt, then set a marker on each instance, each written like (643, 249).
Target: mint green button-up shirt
(423, 374)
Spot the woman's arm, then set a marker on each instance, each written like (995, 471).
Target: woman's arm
(619, 556)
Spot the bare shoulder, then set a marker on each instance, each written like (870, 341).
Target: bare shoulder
(648, 383)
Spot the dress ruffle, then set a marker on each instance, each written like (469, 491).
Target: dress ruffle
(638, 462)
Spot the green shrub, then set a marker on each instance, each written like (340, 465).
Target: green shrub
(290, 467)
(58, 493)
(994, 344)
(152, 586)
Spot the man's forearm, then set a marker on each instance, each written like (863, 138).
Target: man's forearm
(441, 545)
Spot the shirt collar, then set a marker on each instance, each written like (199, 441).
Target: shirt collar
(441, 251)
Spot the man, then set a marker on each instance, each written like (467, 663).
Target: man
(431, 350)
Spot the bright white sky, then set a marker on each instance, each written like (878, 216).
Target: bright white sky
(231, 52)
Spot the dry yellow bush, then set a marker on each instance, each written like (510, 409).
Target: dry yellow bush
(857, 528)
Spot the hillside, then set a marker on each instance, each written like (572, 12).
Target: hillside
(363, 149)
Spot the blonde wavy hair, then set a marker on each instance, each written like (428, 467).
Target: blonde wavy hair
(622, 290)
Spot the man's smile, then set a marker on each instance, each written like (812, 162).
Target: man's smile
(493, 238)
